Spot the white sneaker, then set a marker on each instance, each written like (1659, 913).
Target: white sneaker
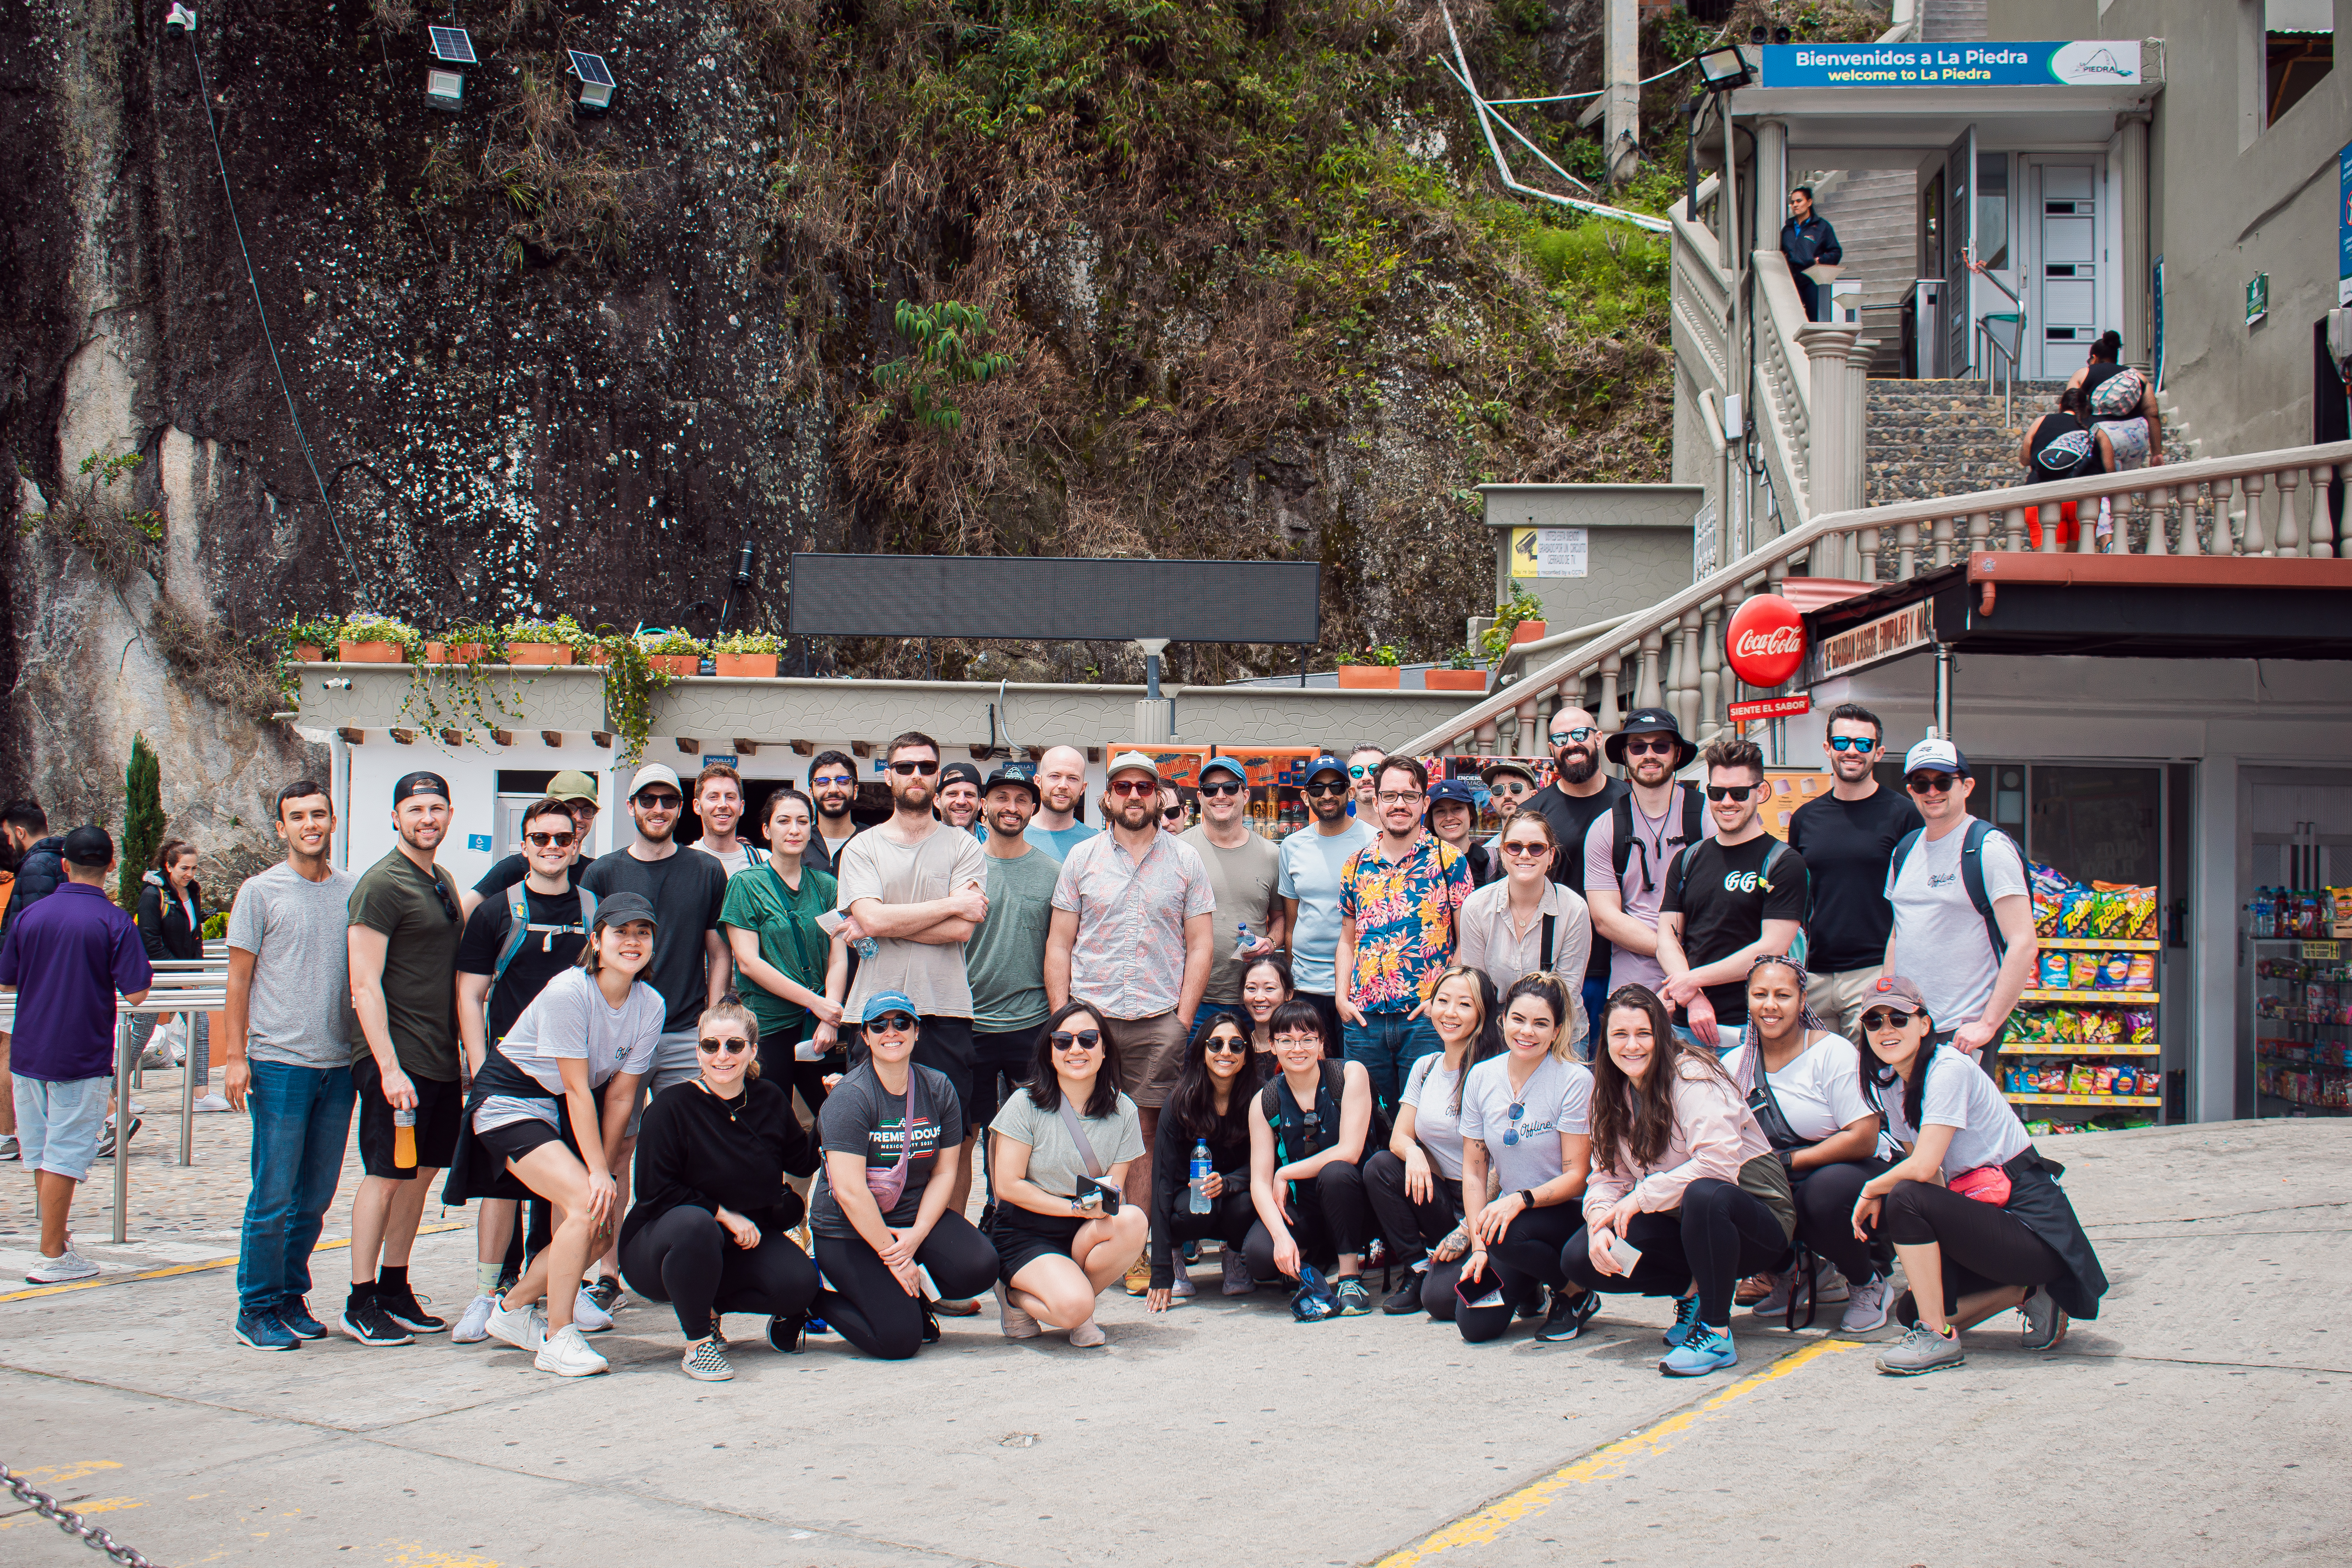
(66, 1264)
(524, 1330)
(1016, 1324)
(590, 1318)
(1830, 1284)
(474, 1325)
(1866, 1307)
(566, 1354)
(1182, 1287)
(136, 1110)
(212, 1102)
(9, 1148)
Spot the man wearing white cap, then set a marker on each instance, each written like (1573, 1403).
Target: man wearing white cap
(1963, 909)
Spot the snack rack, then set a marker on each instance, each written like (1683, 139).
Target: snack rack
(2083, 1040)
(2303, 1026)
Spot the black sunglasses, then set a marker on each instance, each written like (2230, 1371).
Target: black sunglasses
(729, 1046)
(1226, 786)
(1729, 792)
(447, 907)
(1172, 814)
(1647, 748)
(1853, 743)
(1887, 1018)
(1086, 1038)
(1929, 783)
(545, 840)
(908, 770)
(889, 1024)
(661, 802)
(1325, 789)
(1226, 1046)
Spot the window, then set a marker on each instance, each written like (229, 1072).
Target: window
(1993, 209)
(2299, 49)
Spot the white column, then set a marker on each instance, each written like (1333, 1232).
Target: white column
(1620, 69)
(1771, 180)
(1829, 463)
(2132, 233)
(2212, 1065)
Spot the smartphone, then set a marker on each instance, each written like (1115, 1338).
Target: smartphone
(1105, 1195)
(1624, 1253)
(1493, 1298)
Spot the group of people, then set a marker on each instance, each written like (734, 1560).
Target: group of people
(1629, 1044)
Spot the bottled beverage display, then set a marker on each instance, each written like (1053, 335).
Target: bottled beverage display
(1200, 1199)
(404, 1139)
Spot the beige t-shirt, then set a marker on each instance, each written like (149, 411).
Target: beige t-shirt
(1054, 1163)
(1242, 880)
(876, 866)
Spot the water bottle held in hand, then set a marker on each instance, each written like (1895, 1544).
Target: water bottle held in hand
(1242, 937)
(1200, 1169)
(404, 1140)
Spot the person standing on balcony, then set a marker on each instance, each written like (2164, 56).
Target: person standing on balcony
(1808, 240)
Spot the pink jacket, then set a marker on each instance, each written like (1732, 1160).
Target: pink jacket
(1715, 1134)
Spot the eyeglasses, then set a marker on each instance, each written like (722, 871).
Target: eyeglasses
(1399, 796)
(1524, 850)
(661, 802)
(1729, 792)
(1228, 786)
(731, 1047)
(1929, 783)
(1128, 788)
(908, 770)
(551, 840)
(1226, 1046)
(1582, 733)
(1887, 1018)
(889, 1024)
(1853, 743)
(1511, 1133)
(1321, 789)
(1282, 1040)
(1359, 769)
(1172, 814)
(1648, 748)
(1083, 1040)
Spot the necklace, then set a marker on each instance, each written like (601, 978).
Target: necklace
(735, 1106)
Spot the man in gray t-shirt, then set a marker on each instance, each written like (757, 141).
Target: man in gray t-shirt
(289, 1049)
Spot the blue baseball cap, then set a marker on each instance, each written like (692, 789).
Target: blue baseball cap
(1326, 764)
(1444, 790)
(1223, 766)
(884, 1003)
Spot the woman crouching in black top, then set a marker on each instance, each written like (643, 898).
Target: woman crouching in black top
(706, 1233)
(1210, 1105)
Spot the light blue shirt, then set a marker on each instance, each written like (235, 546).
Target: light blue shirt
(1059, 842)
(1311, 864)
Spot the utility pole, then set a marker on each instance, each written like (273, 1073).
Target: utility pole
(1621, 97)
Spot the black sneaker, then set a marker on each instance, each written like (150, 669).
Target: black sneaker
(402, 1307)
(605, 1292)
(785, 1332)
(368, 1323)
(1567, 1314)
(295, 1313)
(931, 1325)
(1405, 1298)
(1355, 1296)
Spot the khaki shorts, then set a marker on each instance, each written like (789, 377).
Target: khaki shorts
(1838, 999)
(1151, 1051)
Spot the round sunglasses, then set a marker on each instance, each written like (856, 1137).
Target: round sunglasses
(729, 1046)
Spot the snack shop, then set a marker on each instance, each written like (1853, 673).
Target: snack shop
(2171, 743)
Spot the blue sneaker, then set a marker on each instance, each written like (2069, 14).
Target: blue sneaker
(816, 1326)
(295, 1313)
(1706, 1350)
(263, 1332)
(1685, 1320)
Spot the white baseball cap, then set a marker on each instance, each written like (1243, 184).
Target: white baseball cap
(651, 774)
(1938, 754)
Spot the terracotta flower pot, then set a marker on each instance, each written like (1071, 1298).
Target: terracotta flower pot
(1369, 677)
(309, 653)
(369, 653)
(537, 653)
(759, 665)
(453, 652)
(1454, 679)
(676, 663)
(1527, 631)
(600, 654)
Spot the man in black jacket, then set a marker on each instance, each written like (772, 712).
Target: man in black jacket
(1808, 240)
(39, 859)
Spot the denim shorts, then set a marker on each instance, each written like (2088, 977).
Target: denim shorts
(58, 1122)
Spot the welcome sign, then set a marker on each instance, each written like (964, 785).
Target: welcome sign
(2081, 62)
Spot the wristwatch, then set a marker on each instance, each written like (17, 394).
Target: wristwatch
(1527, 1197)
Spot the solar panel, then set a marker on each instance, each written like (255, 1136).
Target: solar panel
(590, 68)
(454, 44)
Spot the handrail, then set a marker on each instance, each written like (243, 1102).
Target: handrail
(1518, 654)
(2223, 489)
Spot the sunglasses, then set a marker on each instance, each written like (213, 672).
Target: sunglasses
(1226, 1046)
(1321, 789)
(1172, 814)
(1526, 852)
(1510, 787)
(1853, 743)
(1887, 1018)
(1362, 770)
(889, 1024)
(661, 802)
(909, 770)
(1929, 783)
(1582, 733)
(729, 1046)
(447, 907)
(1511, 1133)
(1128, 788)
(1226, 786)
(1649, 748)
(1729, 792)
(551, 840)
(1083, 1040)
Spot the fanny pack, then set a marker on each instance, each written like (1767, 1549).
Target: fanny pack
(1986, 1184)
(889, 1185)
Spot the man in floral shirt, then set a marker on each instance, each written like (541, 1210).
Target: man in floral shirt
(1398, 898)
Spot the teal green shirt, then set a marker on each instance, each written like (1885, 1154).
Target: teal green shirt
(1005, 958)
(785, 922)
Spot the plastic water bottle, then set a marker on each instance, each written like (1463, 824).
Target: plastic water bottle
(863, 947)
(1200, 1169)
(1240, 936)
(404, 1140)
(2262, 911)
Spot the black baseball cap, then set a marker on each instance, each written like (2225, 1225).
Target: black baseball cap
(419, 783)
(1013, 773)
(90, 846)
(622, 908)
(959, 772)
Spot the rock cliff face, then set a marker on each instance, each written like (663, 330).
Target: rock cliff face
(1256, 295)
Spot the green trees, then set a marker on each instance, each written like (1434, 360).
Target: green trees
(943, 335)
(143, 819)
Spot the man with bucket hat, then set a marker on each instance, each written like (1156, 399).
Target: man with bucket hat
(1627, 852)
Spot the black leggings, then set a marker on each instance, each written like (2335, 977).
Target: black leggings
(778, 1065)
(685, 1258)
(1412, 1230)
(1985, 1246)
(1825, 1200)
(1530, 1254)
(868, 1305)
(1330, 1216)
(1719, 1235)
(1229, 1220)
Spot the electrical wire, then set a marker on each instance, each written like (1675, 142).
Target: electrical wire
(1596, 92)
(301, 437)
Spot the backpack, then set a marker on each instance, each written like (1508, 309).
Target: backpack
(2118, 396)
(1289, 1123)
(1774, 853)
(518, 929)
(1620, 816)
(1972, 875)
(2063, 457)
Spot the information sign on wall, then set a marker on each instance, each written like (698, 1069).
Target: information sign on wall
(1549, 553)
(2080, 62)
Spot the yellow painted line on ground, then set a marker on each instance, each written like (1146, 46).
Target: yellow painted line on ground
(99, 1505)
(166, 1272)
(1607, 1464)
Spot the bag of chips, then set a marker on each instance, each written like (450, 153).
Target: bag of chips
(2115, 971)
(2075, 912)
(2138, 1027)
(2056, 971)
(2082, 971)
(2143, 972)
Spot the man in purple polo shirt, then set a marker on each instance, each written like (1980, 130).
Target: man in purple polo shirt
(66, 958)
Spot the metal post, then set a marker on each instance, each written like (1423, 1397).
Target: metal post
(121, 1127)
(1944, 689)
(191, 1022)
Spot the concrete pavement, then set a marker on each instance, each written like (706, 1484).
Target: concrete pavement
(2201, 1418)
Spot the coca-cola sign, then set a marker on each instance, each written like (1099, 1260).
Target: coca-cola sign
(1765, 641)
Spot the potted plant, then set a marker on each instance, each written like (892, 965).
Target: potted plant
(543, 642)
(672, 652)
(376, 640)
(1375, 670)
(1520, 619)
(306, 642)
(468, 642)
(747, 653)
(1462, 673)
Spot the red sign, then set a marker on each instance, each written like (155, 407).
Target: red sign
(1765, 643)
(1770, 707)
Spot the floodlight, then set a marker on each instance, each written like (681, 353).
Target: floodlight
(181, 17)
(446, 90)
(595, 80)
(453, 45)
(1724, 69)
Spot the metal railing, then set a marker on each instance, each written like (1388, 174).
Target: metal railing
(2267, 504)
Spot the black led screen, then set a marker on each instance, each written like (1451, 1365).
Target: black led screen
(1056, 598)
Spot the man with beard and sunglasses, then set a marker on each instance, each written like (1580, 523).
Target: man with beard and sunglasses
(1579, 794)
(1627, 847)
(1963, 908)
(1310, 863)
(1730, 899)
(832, 785)
(1848, 837)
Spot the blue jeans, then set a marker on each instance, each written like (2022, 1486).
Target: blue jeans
(301, 1120)
(1596, 993)
(1387, 1044)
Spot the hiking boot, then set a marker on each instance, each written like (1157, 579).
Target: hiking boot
(1685, 1320)
(1707, 1349)
(1866, 1307)
(706, 1362)
(1355, 1296)
(1567, 1314)
(294, 1312)
(263, 1332)
(1921, 1348)
(566, 1354)
(2045, 1321)
(1237, 1275)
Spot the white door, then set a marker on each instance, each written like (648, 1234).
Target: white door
(2064, 296)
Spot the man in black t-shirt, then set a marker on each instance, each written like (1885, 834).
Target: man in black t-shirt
(574, 789)
(1728, 900)
(1577, 795)
(1848, 837)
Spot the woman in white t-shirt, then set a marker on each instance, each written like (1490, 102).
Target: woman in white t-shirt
(1525, 1116)
(1972, 1209)
(1810, 1103)
(1415, 1183)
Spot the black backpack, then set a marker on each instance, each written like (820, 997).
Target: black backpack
(1694, 826)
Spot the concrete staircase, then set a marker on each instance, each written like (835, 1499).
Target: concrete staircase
(1927, 439)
